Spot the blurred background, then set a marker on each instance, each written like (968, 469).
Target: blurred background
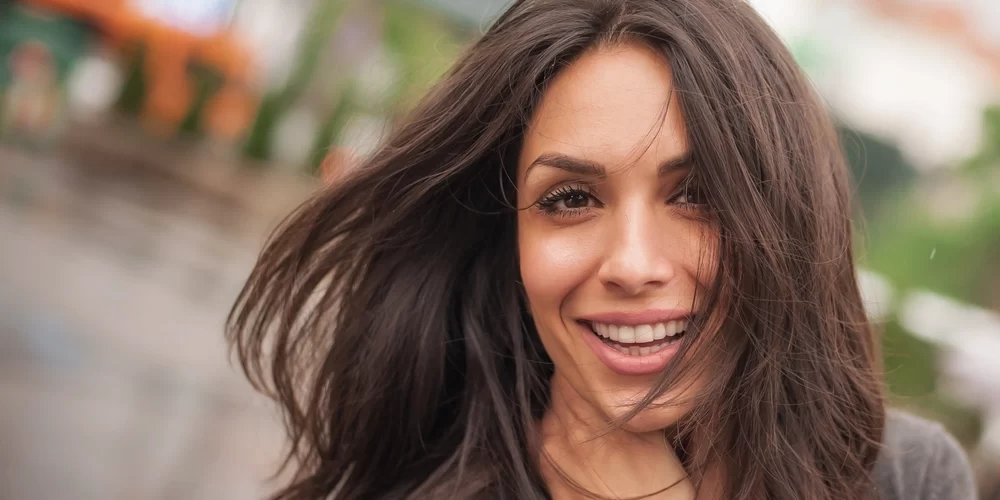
(147, 146)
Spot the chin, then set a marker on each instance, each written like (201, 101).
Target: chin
(650, 419)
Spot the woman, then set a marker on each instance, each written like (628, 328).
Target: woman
(608, 256)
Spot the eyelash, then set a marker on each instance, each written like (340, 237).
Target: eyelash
(561, 194)
(548, 203)
(691, 187)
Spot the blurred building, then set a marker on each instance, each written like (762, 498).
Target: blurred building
(916, 72)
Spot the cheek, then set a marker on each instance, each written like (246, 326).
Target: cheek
(554, 262)
(701, 258)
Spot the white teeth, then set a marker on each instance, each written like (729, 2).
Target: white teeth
(626, 334)
(640, 334)
(659, 332)
(638, 351)
(671, 328)
(676, 326)
(601, 329)
(643, 334)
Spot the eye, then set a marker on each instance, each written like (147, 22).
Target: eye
(568, 200)
(575, 200)
(690, 194)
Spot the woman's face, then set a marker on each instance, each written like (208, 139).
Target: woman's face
(611, 248)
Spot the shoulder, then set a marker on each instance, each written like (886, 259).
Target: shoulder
(921, 461)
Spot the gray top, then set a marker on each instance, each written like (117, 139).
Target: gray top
(921, 461)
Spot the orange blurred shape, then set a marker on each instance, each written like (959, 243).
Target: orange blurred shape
(169, 52)
(231, 112)
(338, 162)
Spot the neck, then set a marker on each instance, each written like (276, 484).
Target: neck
(579, 447)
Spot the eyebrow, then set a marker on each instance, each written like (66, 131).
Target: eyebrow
(580, 166)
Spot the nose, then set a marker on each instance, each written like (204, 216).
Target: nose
(637, 260)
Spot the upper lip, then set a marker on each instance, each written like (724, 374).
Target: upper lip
(632, 318)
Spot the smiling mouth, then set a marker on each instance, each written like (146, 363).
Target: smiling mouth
(640, 340)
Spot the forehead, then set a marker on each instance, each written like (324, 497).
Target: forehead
(614, 106)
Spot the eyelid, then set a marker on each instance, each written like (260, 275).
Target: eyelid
(567, 187)
(547, 204)
(688, 185)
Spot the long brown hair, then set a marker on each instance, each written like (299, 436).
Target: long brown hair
(387, 319)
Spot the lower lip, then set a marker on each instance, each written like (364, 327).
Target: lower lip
(625, 364)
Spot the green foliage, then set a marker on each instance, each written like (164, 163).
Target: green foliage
(991, 126)
(911, 376)
(133, 93)
(909, 363)
(954, 259)
(331, 129)
(317, 36)
(206, 83)
(942, 236)
(258, 143)
(878, 168)
(273, 107)
(65, 38)
(989, 157)
(424, 45)
(916, 243)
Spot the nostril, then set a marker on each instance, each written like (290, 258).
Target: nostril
(634, 274)
(634, 287)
